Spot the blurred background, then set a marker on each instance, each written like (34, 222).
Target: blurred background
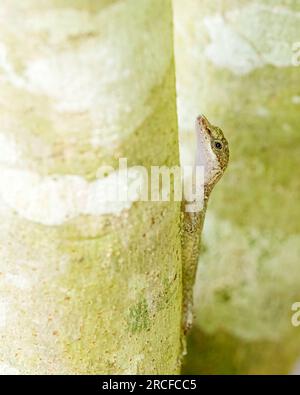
(237, 62)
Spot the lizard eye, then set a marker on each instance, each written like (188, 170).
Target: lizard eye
(218, 145)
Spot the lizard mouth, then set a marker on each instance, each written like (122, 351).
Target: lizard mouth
(204, 124)
(204, 130)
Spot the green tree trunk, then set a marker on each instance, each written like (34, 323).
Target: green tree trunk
(86, 287)
(237, 62)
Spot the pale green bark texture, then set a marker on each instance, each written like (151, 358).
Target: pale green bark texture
(236, 63)
(86, 287)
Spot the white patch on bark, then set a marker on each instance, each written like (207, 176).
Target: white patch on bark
(251, 37)
(9, 73)
(3, 313)
(18, 281)
(6, 370)
(53, 200)
(9, 152)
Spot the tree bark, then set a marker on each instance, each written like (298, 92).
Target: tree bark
(238, 63)
(87, 287)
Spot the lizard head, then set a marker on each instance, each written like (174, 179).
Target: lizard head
(212, 151)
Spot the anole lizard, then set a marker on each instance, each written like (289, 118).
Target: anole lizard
(212, 153)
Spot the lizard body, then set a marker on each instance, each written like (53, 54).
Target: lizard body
(212, 153)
